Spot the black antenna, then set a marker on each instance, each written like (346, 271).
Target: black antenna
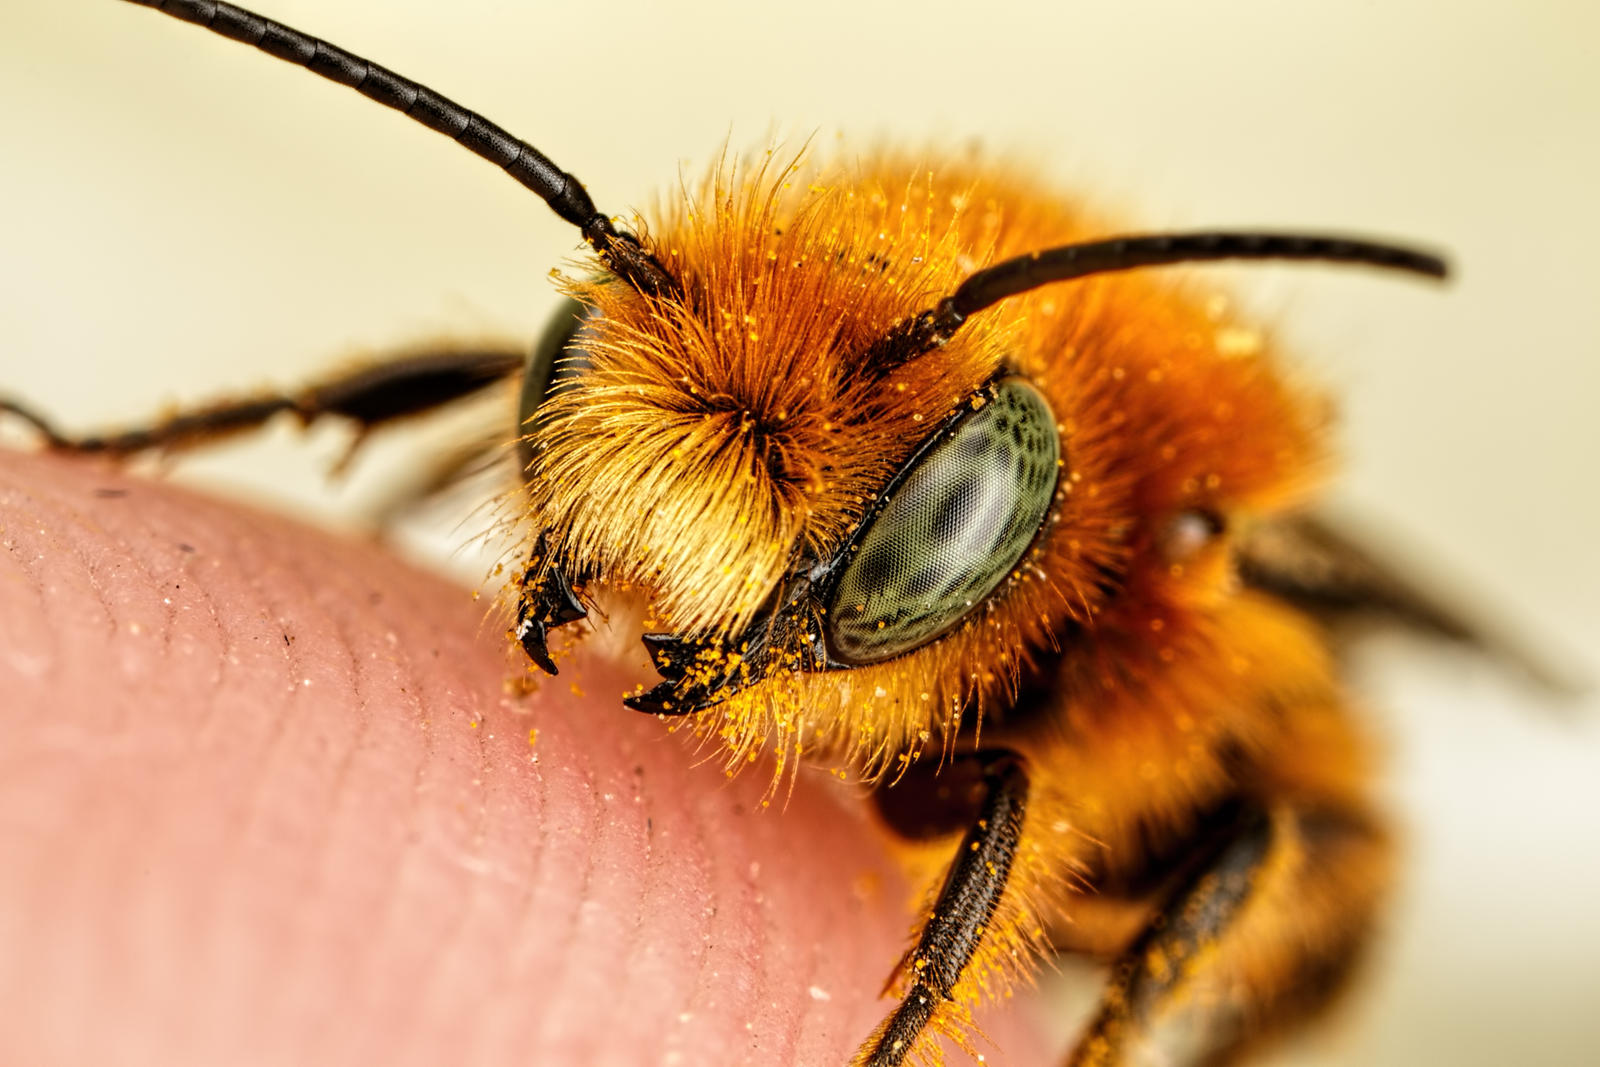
(620, 250)
(932, 328)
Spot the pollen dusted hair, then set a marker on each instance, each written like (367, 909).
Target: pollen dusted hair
(712, 439)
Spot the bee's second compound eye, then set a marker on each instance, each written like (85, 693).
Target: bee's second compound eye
(951, 531)
(557, 357)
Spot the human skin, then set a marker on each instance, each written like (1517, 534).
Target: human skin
(270, 796)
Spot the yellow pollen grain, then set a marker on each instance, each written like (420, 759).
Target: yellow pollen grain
(1235, 342)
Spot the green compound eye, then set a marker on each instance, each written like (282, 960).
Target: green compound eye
(953, 529)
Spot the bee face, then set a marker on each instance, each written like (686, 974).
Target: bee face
(734, 457)
(710, 442)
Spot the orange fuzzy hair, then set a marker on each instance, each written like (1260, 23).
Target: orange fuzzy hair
(716, 437)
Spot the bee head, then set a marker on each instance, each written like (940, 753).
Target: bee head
(837, 494)
(694, 447)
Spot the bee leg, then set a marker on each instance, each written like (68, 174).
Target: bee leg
(433, 477)
(966, 904)
(372, 395)
(1261, 935)
(547, 599)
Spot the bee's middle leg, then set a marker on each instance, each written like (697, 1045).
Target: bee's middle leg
(1258, 936)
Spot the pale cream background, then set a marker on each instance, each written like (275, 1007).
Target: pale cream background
(179, 216)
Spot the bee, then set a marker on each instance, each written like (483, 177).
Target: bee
(762, 408)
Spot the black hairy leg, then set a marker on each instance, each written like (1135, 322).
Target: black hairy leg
(1259, 934)
(372, 395)
(972, 890)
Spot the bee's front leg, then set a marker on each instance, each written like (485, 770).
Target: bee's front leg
(961, 917)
